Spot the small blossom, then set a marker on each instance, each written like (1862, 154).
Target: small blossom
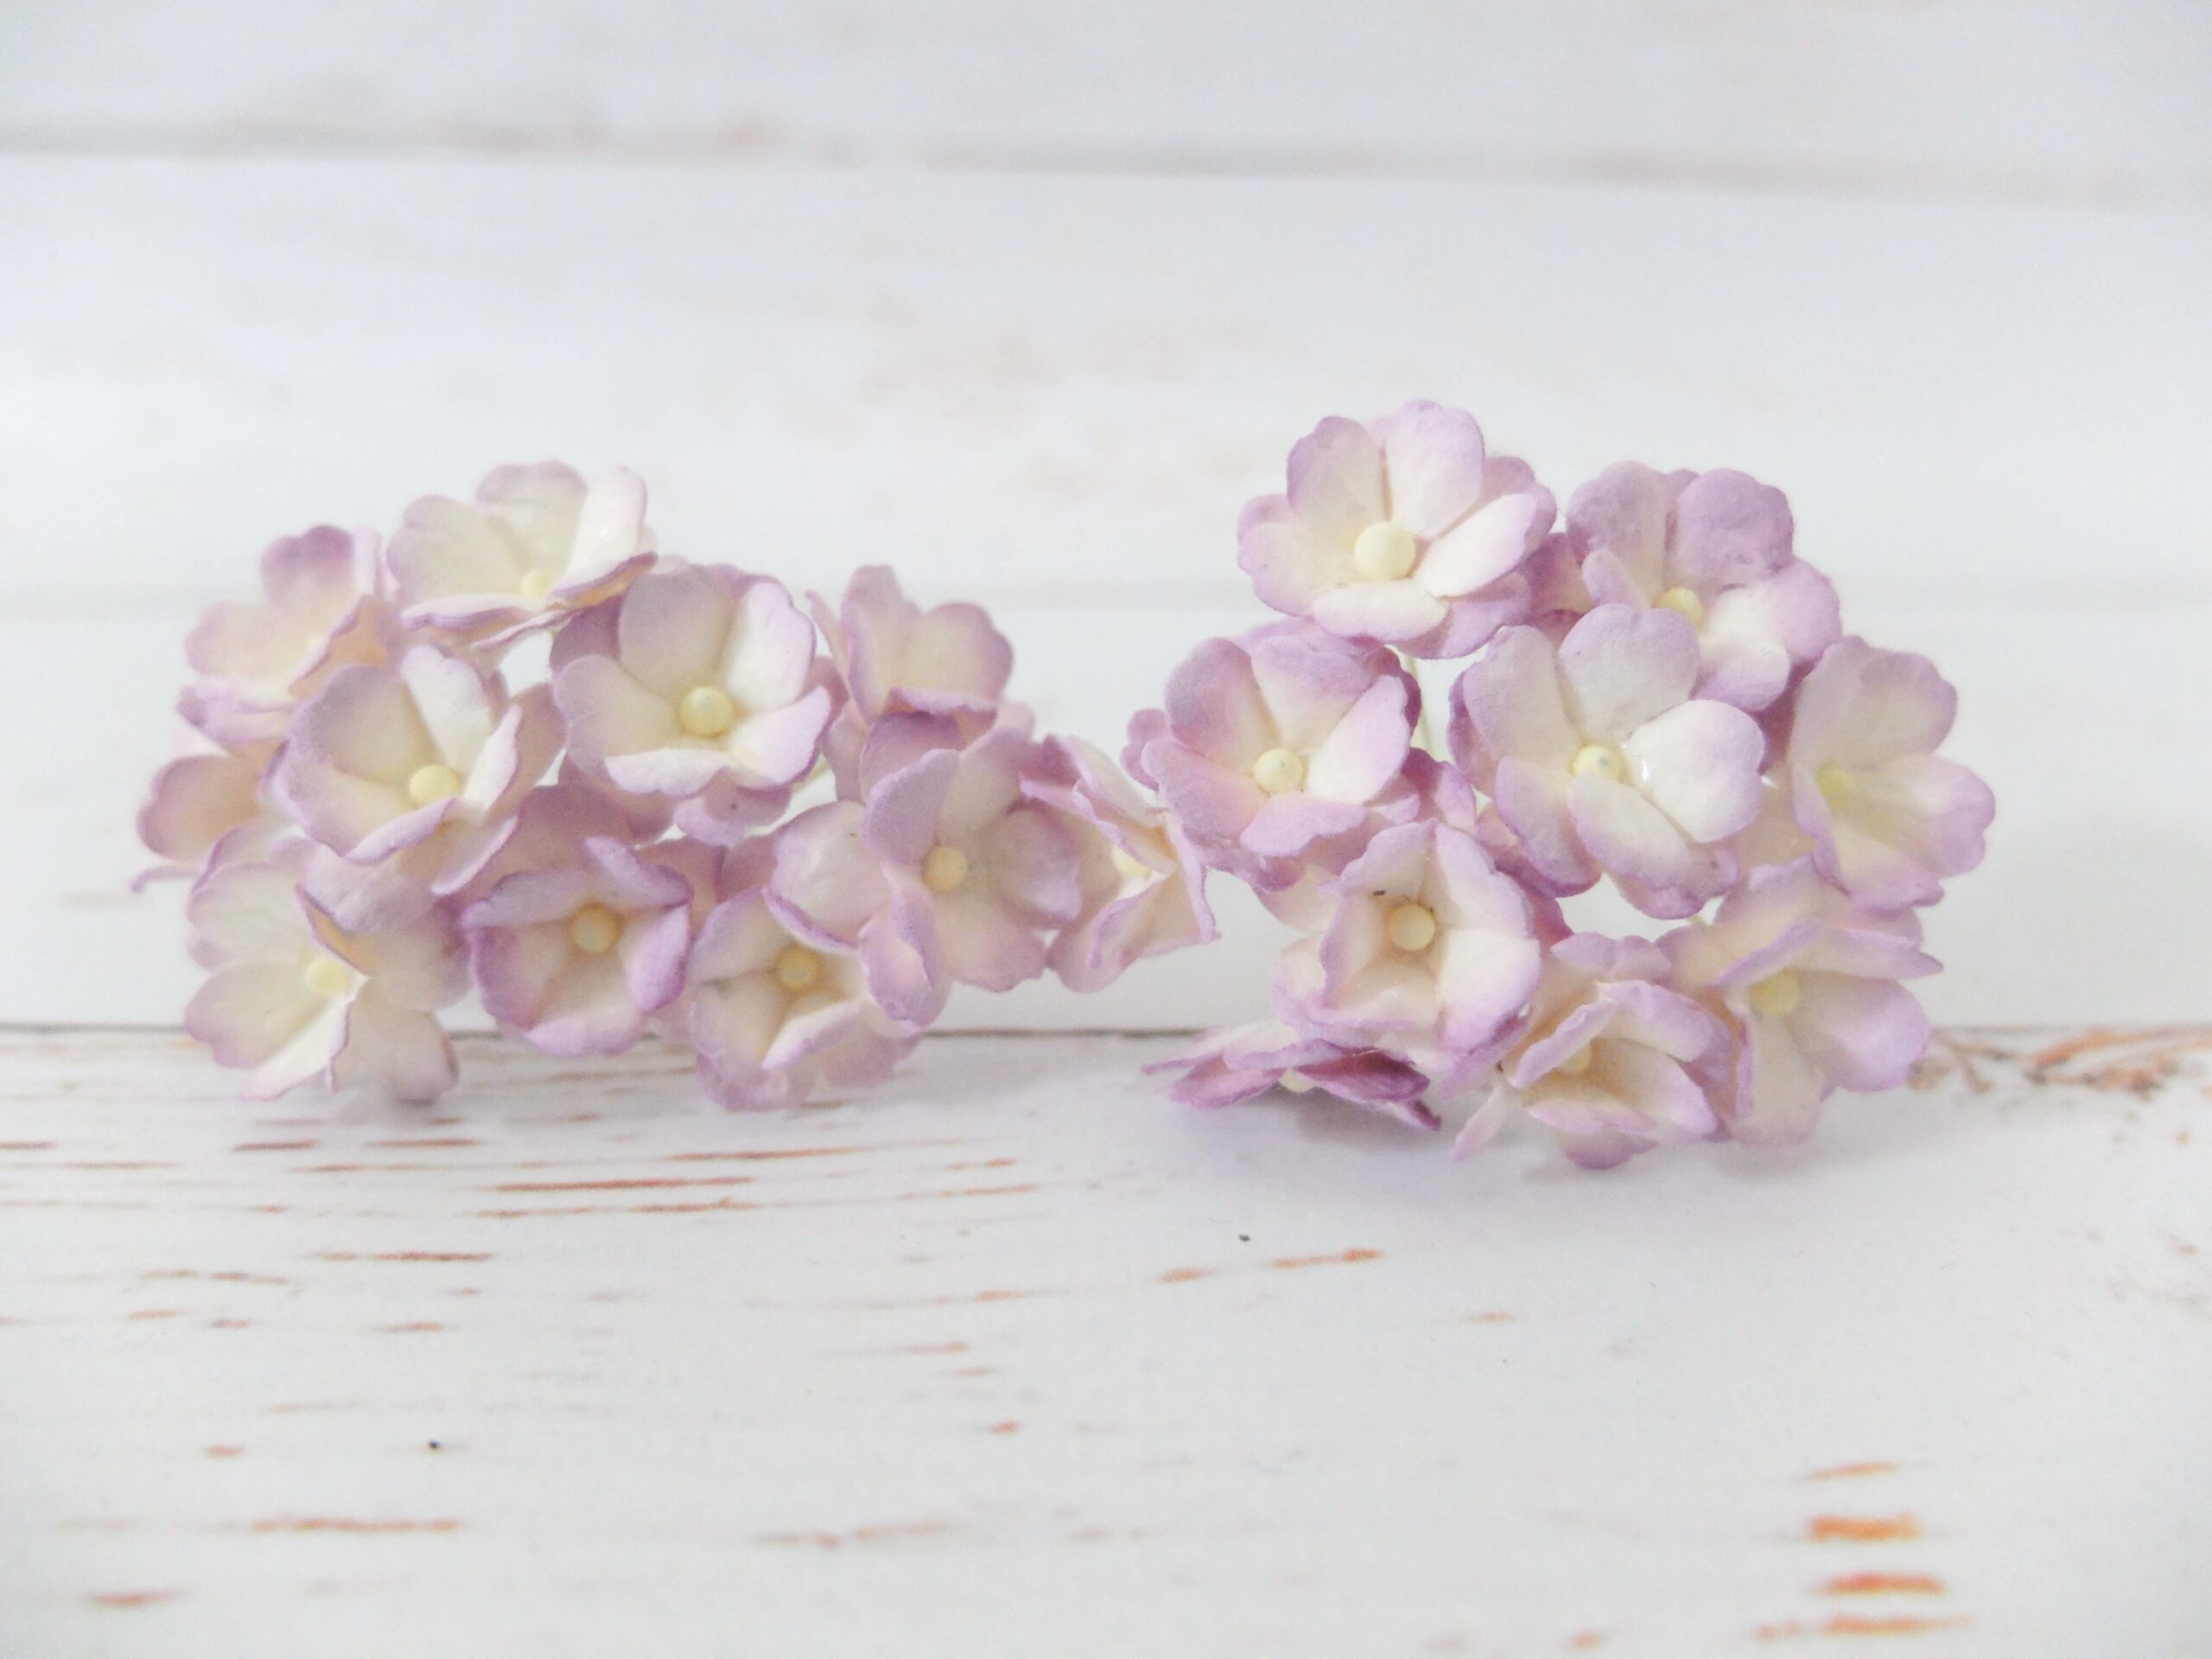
(835, 892)
(1714, 547)
(1404, 533)
(573, 959)
(533, 546)
(197, 801)
(1142, 886)
(1809, 980)
(1238, 1063)
(702, 685)
(291, 996)
(429, 758)
(1278, 740)
(1601, 761)
(1888, 817)
(777, 1020)
(1430, 955)
(1602, 1057)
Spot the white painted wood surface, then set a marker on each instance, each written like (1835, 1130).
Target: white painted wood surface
(1016, 1356)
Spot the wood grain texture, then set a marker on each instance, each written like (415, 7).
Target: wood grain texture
(2022, 98)
(1017, 1356)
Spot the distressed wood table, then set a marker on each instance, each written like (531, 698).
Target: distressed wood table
(1017, 1358)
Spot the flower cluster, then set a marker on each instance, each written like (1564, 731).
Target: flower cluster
(1660, 693)
(376, 817)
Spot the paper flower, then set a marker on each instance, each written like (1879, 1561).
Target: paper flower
(1278, 740)
(1601, 761)
(1239, 1062)
(535, 545)
(700, 685)
(776, 1020)
(1810, 980)
(1142, 883)
(1430, 956)
(1603, 1058)
(573, 959)
(1403, 533)
(291, 997)
(1889, 819)
(1714, 547)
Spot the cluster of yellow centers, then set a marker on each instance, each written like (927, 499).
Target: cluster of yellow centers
(706, 711)
(595, 929)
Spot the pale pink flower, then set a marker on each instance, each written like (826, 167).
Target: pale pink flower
(1889, 819)
(199, 800)
(415, 770)
(1603, 1059)
(1430, 956)
(1238, 1063)
(1716, 546)
(1142, 884)
(572, 959)
(1276, 741)
(292, 996)
(1404, 533)
(1809, 978)
(701, 684)
(776, 1020)
(1600, 760)
(533, 546)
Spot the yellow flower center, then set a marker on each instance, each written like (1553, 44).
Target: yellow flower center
(1297, 1082)
(1278, 771)
(1599, 760)
(1682, 600)
(1385, 552)
(534, 585)
(1129, 866)
(594, 929)
(435, 782)
(326, 976)
(706, 711)
(945, 868)
(1411, 927)
(1575, 1063)
(1775, 995)
(1834, 782)
(798, 969)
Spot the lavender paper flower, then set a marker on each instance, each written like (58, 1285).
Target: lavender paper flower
(1239, 1062)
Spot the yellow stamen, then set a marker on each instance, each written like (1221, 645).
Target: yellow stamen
(534, 585)
(706, 711)
(1775, 995)
(1297, 1082)
(594, 929)
(1411, 927)
(945, 868)
(1278, 771)
(435, 782)
(1599, 760)
(1385, 552)
(1834, 782)
(1575, 1063)
(1129, 866)
(1684, 600)
(798, 969)
(326, 976)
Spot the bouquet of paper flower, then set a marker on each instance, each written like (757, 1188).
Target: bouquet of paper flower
(377, 814)
(1660, 694)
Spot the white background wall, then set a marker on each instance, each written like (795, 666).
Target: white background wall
(1027, 300)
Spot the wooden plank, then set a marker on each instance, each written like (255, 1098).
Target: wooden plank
(2045, 97)
(1017, 1356)
(1063, 388)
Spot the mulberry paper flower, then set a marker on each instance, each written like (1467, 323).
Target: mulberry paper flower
(1810, 979)
(1889, 819)
(1714, 547)
(1142, 883)
(1405, 533)
(1430, 956)
(775, 1019)
(1600, 760)
(291, 996)
(535, 545)
(1278, 740)
(574, 959)
(700, 685)
(1238, 1063)
(1603, 1059)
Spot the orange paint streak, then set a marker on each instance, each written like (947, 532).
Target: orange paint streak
(276, 1146)
(1342, 1258)
(1495, 1316)
(1890, 1625)
(1583, 1640)
(1861, 1529)
(1852, 1471)
(132, 1597)
(1182, 1275)
(431, 1140)
(226, 1451)
(26, 1146)
(628, 1184)
(349, 1524)
(412, 1325)
(1010, 1426)
(762, 1156)
(432, 1256)
(1884, 1584)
